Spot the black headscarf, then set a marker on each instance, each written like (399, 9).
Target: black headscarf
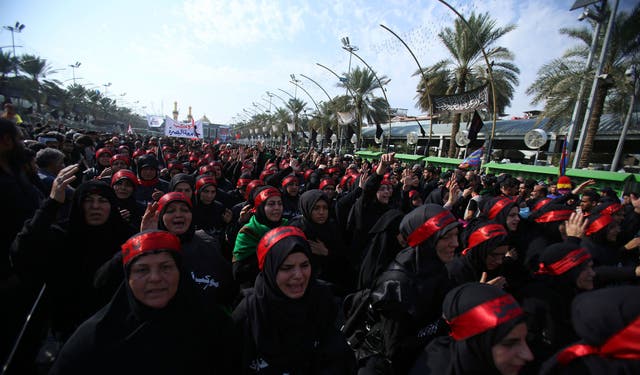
(314, 231)
(597, 316)
(184, 237)
(183, 177)
(425, 254)
(470, 266)
(473, 355)
(95, 244)
(285, 330)
(259, 209)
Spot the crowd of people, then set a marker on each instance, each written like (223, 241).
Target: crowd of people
(130, 254)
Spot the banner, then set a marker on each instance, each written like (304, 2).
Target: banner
(461, 103)
(223, 133)
(182, 130)
(154, 121)
(346, 118)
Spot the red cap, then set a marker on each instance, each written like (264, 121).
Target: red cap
(124, 158)
(173, 196)
(564, 182)
(124, 174)
(273, 237)
(147, 242)
(333, 170)
(204, 181)
(103, 150)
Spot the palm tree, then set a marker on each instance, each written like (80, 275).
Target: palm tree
(467, 70)
(296, 106)
(362, 84)
(8, 64)
(557, 81)
(36, 69)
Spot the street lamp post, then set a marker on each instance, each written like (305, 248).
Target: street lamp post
(106, 86)
(17, 28)
(73, 70)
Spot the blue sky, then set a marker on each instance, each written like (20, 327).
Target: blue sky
(221, 56)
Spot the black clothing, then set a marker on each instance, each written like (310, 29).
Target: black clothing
(290, 335)
(333, 267)
(382, 248)
(473, 354)
(67, 259)
(597, 316)
(126, 337)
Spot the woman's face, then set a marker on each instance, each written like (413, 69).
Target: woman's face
(330, 190)
(513, 219)
(293, 275)
(104, 159)
(123, 189)
(495, 257)
(584, 281)
(384, 193)
(293, 188)
(118, 165)
(148, 173)
(446, 246)
(320, 212)
(96, 209)
(208, 194)
(273, 208)
(154, 279)
(177, 218)
(183, 187)
(512, 353)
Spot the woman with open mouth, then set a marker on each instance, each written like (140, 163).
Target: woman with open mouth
(202, 260)
(152, 324)
(287, 320)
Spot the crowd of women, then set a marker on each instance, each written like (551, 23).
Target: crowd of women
(175, 256)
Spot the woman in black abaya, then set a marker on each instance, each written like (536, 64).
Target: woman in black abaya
(152, 324)
(488, 333)
(327, 247)
(287, 319)
(607, 322)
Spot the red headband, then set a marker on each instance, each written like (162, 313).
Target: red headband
(552, 216)
(264, 195)
(598, 224)
(272, 238)
(243, 182)
(484, 234)
(573, 259)
(543, 202)
(289, 180)
(327, 182)
(141, 243)
(484, 317)
(611, 209)
(430, 227)
(173, 197)
(499, 206)
(622, 345)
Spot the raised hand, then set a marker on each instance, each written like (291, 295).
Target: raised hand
(60, 183)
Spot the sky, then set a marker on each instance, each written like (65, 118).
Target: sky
(220, 57)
